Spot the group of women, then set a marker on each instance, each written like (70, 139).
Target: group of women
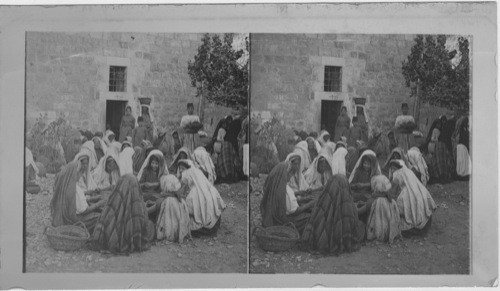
(447, 149)
(127, 197)
(337, 196)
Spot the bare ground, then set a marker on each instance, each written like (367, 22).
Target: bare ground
(445, 249)
(225, 253)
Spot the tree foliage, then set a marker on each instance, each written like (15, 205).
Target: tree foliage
(218, 73)
(442, 82)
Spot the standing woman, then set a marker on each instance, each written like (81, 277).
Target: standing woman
(463, 152)
(442, 162)
(127, 124)
(190, 137)
(342, 125)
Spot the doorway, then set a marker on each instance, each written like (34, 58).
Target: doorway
(330, 111)
(114, 112)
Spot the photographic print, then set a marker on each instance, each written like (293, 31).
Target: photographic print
(360, 153)
(136, 152)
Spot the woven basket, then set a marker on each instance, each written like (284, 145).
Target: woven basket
(277, 238)
(67, 237)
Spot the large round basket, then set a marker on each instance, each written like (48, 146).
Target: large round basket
(67, 237)
(277, 238)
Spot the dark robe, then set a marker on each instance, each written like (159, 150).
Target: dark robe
(334, 227)
(63, 203)
(124, 227)
(273, 204)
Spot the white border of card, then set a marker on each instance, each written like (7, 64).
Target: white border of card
(476, 19)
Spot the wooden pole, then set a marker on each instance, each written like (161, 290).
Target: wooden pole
(201, 106)
(416, 108)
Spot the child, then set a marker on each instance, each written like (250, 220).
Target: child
(139, 133)
(355, 133)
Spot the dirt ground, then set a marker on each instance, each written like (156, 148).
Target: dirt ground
(445, 249)
(225, 253)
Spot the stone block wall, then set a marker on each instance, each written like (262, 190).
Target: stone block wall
(67, 73)
(287, 74)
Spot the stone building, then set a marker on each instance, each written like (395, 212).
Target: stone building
(91, 77)
(305, 79)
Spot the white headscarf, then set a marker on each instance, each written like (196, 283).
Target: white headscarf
(316, 143)
(91, 184)
(101, 177)
(204, 201)
(88, 147)
(322, 141)
(297, 182)
(104, 146)
(125, 162)
(366, 152)
(169, 183)
(312, 176)
(115, 145)
(338, 161)
(381, 184)
(303, 149)
(415, 202)
(202, 158)
(417, 160)
(159, 154)
(30, 161)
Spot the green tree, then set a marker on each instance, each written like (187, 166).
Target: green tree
(219, 73)
(436, 75)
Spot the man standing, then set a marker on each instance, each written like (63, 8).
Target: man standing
(405, 124)
(190, 137)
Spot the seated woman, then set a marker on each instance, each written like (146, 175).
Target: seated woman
(173, 220)
(182, 154)
(283, 190)
(205, 205)
(71, 201)
(353, 154)
(126, 144)
(100, 147)
(123, 226)
(383, 220)
(111, 142)
(140, 155)
(324, 139)
(398, 154)
(106, 175)
(303, 149)
(31, 173)
(125, 161)
(360, 180)
(89, 148)
(202, 158)
(333, 227)
(149, 176)
(339, 159)
(416, 158)
(313, 147)
(319, 172)
(414, 201)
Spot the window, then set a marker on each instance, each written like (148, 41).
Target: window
(333, 79)
(117, 79)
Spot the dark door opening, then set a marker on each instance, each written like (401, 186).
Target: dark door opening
(114, 112)
(330, 111)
